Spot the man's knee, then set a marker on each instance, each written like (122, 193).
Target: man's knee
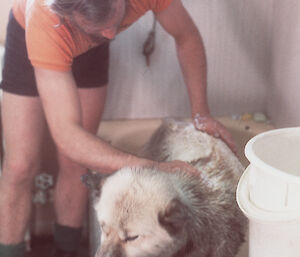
(20, 171)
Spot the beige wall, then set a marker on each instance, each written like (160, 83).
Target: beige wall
(4, 10)
(253, 56)
(237, 37)
(284, 91)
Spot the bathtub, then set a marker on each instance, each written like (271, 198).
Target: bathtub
(130, 135)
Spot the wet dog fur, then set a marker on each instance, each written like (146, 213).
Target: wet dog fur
(145, 212)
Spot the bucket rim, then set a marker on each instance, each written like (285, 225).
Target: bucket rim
(253, 212)
(253, 159)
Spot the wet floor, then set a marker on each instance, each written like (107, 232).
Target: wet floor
(43, 247)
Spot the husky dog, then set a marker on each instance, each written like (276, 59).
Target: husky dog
(145, 212)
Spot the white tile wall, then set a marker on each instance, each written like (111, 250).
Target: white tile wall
(236, 35)
(1, 60)
(284, 92)
(253, 62)
(5, 6)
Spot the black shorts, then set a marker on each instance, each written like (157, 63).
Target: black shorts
(89, 69)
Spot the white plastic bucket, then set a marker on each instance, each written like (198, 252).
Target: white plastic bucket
(269, 193)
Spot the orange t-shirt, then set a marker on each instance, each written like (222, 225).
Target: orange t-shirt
(54, 47)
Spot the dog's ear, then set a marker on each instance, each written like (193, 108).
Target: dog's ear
(170, 124)
(173, 124)
(174, 217)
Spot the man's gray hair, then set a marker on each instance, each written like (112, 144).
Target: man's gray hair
(93, 10)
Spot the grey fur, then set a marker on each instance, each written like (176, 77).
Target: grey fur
(199, 213)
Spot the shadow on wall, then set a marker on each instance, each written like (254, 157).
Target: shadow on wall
(285, 93)
(238, 54)
(249, 17)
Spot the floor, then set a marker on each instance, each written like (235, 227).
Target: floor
(43, 247)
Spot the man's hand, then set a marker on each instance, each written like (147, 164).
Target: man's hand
(213, 127)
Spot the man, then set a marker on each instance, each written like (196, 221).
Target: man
(56, 70)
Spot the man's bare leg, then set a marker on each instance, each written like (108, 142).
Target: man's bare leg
(23, 129)
(70, 193)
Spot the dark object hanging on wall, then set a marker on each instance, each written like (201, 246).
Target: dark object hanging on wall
(149, 44)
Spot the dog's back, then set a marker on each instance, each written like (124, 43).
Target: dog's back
(178, 140)
(176, 214)
(219, 170)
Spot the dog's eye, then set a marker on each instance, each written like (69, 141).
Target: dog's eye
(130, 238)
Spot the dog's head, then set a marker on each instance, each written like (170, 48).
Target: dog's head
(141, 215)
